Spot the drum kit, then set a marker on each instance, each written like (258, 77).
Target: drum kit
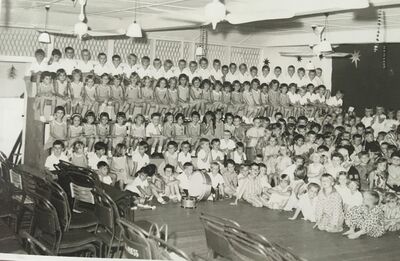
(199, 189)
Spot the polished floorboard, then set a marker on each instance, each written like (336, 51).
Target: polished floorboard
(186, 232)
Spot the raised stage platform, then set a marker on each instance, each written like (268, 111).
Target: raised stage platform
(186, 232)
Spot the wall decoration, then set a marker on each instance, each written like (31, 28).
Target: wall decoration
(12, 73)
(355, 58)
(266, 61)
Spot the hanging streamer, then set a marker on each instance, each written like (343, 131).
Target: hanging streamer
(378, 30)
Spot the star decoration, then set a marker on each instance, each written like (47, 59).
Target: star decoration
(266, 61)
(355, 57)
(299, 58)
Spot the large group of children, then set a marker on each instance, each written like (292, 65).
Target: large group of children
(259, 143)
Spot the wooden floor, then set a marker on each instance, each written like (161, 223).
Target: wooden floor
(186, 232)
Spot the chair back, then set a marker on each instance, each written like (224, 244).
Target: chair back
(244, 250)
(46, 228)
(161, 250)
(59, 199)
(106, 211)
(214, 230)
(135, 243)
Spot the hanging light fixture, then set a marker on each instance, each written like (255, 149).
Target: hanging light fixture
(134, 29)
(81, 28)
(325, 46)
(44, 37)
(215, 12)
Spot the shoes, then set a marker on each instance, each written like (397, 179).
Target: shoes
(161, 201)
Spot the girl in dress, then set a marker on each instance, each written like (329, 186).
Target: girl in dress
(299, 148)
(392, 212)
(172, 93)
(184, 156)
(103, 130)
(216, 97)
(168, 128)
(45, 94)
(355, 197)
(58, 128)
(62, 90)
(75, 131)
(103, 92)
(228, 126)
(117, 93)
(378, 177)
(119, 130)
(227, 96)
(193, 131)
(206, 87)
(170, 155)
(179, 132)
(78, 157)
(279, 195)
(133, 95)
(77, 92)
(270, 155)
(256, 93)
(342, 186)
(329, 210)
(251, 108)
(148, 95)
(89, 130)
(219, 124)
(161, 95)
(298, 187)
(282, 163)
(368, 218)
(196, 96)
(307, 203)
(237, 99)
(183, 94)
(204, 155)
(120, 165)
(89, 95)
(137, 132)
(315, 169)
(207, 127)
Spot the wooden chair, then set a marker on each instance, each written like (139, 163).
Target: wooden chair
(214, 228)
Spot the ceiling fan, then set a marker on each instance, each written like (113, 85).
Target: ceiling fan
(322, 49)
(245, 11)
(81, 28)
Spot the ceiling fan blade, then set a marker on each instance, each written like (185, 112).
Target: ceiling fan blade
(104, 34)
(296, 54)
(242, 18)
(337, 55)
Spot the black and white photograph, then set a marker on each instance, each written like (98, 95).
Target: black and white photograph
(200, 130)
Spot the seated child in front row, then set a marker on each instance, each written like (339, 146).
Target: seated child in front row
(307, 203)
(230, 178)
(217, 182)
(392, 212)
(105, 176)
(171, 183)
(143, 190)
(368, 218)
(279, 195)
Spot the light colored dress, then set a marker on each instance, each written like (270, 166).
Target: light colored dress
(60, 131)
(120, 133)
(79, 160)
(277, 201)
(120, 166)
(390, 214)
(329, 211)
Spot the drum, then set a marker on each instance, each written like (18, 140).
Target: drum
(200, 185)
(188, 202)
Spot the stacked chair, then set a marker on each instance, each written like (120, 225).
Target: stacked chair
(227, 239)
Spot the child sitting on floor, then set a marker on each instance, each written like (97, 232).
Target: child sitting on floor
(103, 171)
(392, 212)
(171, 183)
(217, 182)
(307, 203)
(230, 178)
(367, 218)
(279, 195)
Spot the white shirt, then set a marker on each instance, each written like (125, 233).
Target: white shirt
(216, 74)
(158, 73)
(204, 73)
(227, 144)
(68, 65)
(243, 77)
(265, 79)
(290, 171)
(190, 74)
(232, 77)
(201, 163)
(116, 70)
(182, 158)
(302, 82)
(137, 182)
(129, 69)
(100, 69)
(54, 66)
(168, 74)
(293, 97)
(52, 160)
(217, 155)
(85, 67)
(184, 181)
(333, 101)
(36, 67)
(93, 159)
(290, 79)
(367, 121)
(216, 179)
(149, 71)
(314, 81)
(307, 207)
(317, 97)
(152, 130)
(140, 160)
(177, 71)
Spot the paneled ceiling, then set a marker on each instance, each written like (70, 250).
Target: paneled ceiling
(174, 15)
